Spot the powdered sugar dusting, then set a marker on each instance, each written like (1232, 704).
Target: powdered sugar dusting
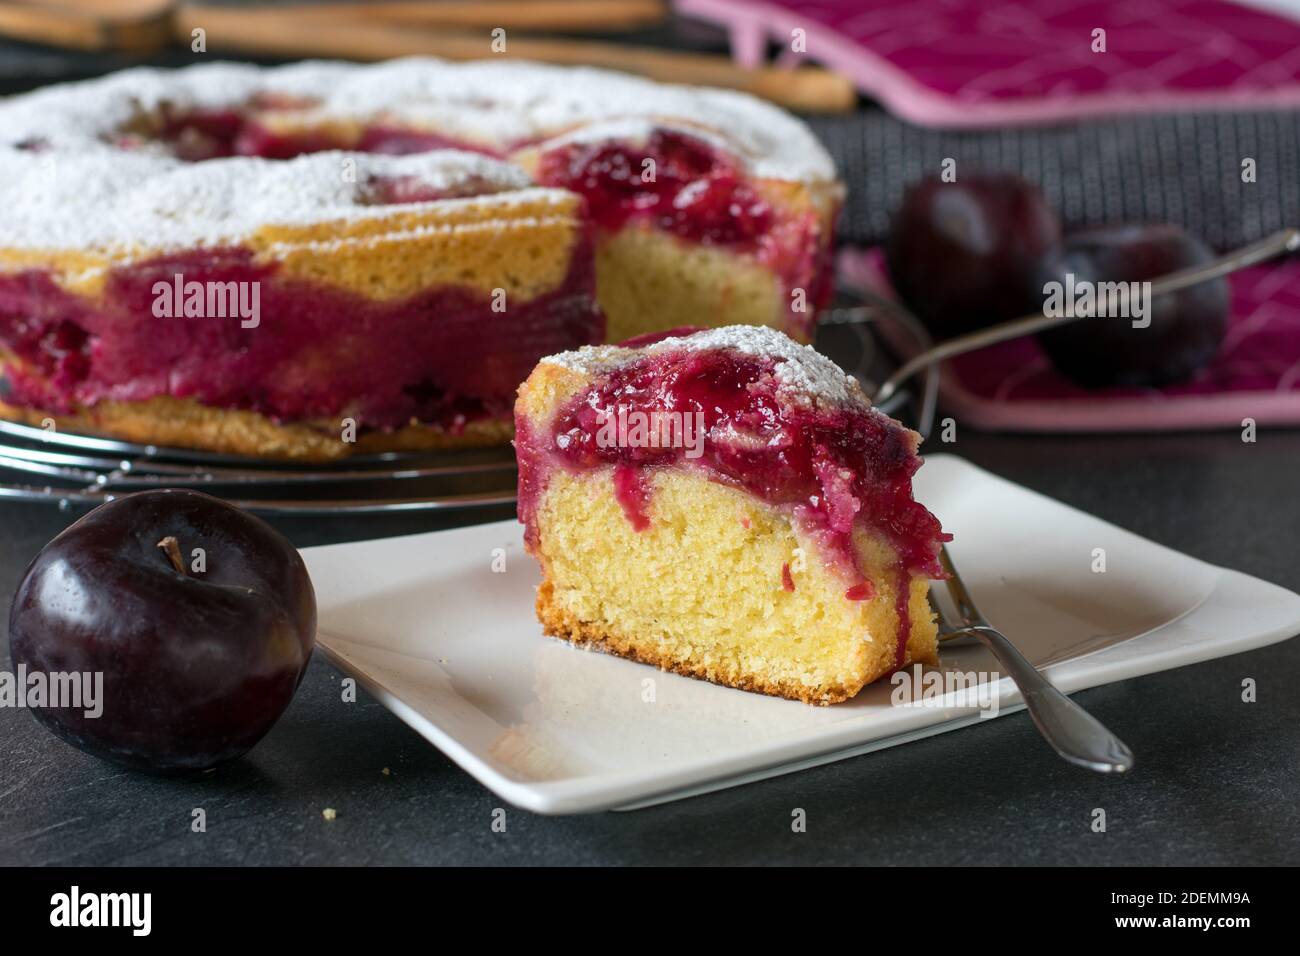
(804, 375)
(69, 182)
(116, 202)
(637, 131)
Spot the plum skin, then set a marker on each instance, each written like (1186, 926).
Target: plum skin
(197, 666)
(1186, 327)
(958, 252)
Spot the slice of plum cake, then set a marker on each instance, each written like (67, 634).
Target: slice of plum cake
(726, 504)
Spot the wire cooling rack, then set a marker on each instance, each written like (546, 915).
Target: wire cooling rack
(81, 470)
(73, 471)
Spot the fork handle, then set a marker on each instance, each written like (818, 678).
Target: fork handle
(1073, 732)
(1285, 240)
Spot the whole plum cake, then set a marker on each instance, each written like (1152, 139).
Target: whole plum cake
(324, 258)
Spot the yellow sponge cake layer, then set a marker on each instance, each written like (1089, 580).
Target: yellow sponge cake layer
(646, 280)
(523, 247)
(701, 591)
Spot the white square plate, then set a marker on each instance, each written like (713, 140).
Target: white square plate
(453, 648)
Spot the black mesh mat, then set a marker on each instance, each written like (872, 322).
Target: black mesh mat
(1185, 169)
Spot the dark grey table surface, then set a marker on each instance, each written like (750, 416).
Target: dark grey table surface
(1215, 781)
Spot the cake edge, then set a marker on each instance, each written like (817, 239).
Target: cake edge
(185, 423)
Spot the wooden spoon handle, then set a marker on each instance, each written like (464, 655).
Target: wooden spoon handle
(572, 15)
(136, 26)
(284, 33)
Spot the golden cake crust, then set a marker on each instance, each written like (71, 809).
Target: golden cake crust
(523, 247)
(556, 623)
(185, 423)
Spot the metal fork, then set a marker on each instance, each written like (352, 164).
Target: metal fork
(1073, 732)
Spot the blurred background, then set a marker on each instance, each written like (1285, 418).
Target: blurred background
(1123, 114)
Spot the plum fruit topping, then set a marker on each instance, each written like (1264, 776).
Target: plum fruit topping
(1185, 328)
(321, 352)
(833, 467)
(691, 190)
(200, 617)
(958, 252)
(681, 185)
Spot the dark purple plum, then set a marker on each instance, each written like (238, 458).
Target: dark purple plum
(199, 659)
(958, 252)
(1186, 327)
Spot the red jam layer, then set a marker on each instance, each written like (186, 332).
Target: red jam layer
(683, 186)
(696, 192)
(691, 190)
(441, 357)
(835, 469)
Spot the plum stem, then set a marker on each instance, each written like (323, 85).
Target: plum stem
(172, 548)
